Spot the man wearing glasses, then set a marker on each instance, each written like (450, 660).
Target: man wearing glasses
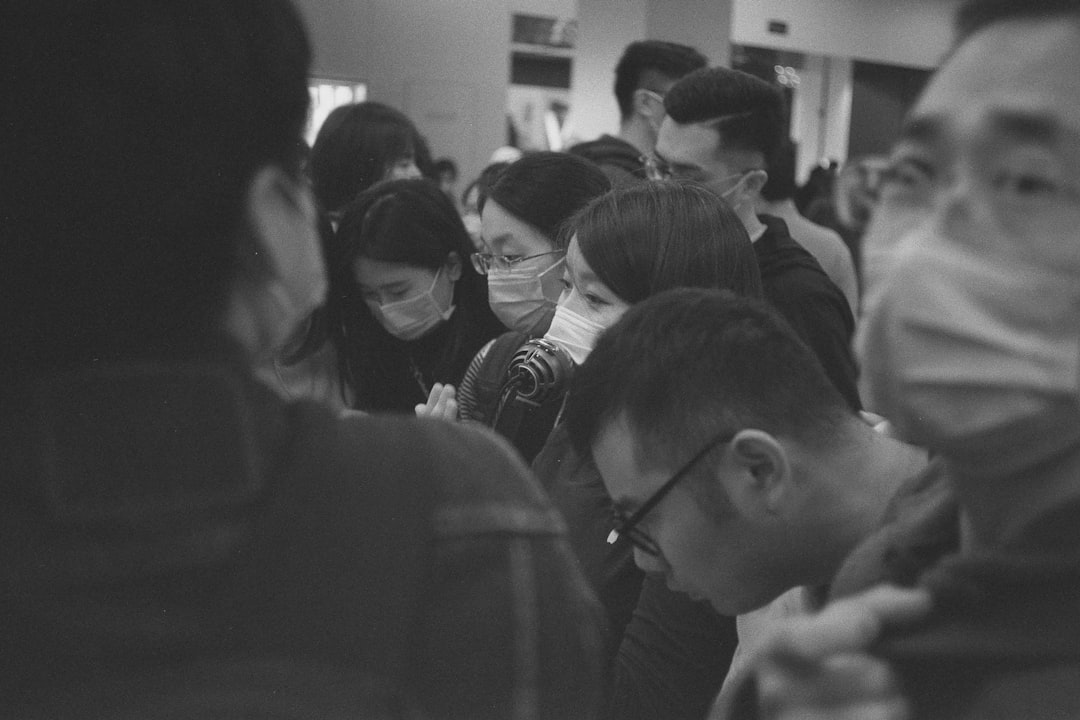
(722, 129)
(736, 469)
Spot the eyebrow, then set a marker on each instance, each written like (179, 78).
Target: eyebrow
(1030, 127)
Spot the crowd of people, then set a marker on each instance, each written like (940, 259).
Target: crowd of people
(614, 433)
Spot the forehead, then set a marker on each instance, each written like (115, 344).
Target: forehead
(1025, 66)
(615, 453)
(577, 263)
(378, 273)
(506, 234)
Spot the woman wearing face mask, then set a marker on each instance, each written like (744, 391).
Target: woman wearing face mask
(358, 146)
(406, 310)
(625, 247)
(523, 260)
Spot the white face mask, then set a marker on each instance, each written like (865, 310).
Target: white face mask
(974, 356)
(524, 299)
(413, 317)
(574, 333)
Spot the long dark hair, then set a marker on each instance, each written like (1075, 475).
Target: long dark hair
(411, 222)
(649, 237)
(354, 147)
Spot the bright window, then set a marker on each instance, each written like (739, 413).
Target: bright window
(327, 95)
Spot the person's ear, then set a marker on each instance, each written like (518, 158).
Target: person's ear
(282, 220)
(753, 182)
(649, 104)
(762, 464)
(453, 266)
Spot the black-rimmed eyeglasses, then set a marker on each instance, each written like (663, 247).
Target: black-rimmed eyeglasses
(628, 526)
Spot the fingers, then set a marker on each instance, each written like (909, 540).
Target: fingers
(850, 624)
(441, 403)
(817, 666)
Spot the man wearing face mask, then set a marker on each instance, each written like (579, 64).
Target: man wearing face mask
(971, 346)
(721, 129)
(646, 71)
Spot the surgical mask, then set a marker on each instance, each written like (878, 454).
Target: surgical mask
(412, 317)
(971, 354)
(524, 299)
(574, 333)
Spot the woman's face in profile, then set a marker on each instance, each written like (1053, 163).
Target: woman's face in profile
(585, 294)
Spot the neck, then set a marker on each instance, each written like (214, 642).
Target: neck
(998, 512)
(754, 227)
(859, 476)
(774, 207)
(638, 133)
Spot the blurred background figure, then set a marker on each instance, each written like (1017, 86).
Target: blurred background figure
(646, 71)
(828, 248)
(848, 208)
(357, 146)
(446, 175)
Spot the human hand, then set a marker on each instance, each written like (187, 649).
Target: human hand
(817, 666)
(441, 403)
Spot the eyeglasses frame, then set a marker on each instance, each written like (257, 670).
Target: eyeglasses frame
(628, 526)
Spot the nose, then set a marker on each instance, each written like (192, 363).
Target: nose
(964, 210)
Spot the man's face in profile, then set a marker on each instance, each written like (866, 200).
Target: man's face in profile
(990, 156)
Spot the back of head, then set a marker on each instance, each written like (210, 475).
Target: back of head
(649, 64)
(139, 126)
(749, 113)
(544, 189)
(780, 165)
(353, 149)
(690, 363)
(646, 238)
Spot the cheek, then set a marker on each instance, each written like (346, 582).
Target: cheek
(890, 225)
(612, 313)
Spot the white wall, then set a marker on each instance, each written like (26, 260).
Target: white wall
(605, 28)
(445, 63)
(914, 33)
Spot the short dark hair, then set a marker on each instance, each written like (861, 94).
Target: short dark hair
(649, 237)
(544, 189)
(667, 59)
(749, 113)
(353, 149)
(690, 363)
(976, 15)
(128, 155)
(780, 165)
